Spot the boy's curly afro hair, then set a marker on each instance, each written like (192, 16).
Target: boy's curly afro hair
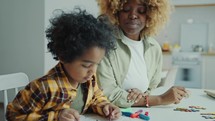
(71, 34)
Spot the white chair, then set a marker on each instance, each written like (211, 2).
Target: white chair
(169, 80)
(12, 81)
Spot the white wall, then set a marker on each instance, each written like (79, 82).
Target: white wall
(22, 37)
(22, 34)
(67, 5)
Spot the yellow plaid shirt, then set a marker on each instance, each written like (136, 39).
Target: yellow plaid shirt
(42, 99)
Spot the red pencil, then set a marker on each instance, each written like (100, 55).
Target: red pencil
(136, 114)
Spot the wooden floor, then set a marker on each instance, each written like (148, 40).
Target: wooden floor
(1, 112)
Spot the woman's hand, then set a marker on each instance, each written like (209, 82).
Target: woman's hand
(69, 115)
(135, 95)
(111, 111)
(174, 95)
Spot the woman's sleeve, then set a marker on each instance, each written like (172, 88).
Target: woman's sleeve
(109, 84)
(156, 79)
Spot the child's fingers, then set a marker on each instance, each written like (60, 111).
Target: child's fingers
(68, 118)
(115, 116)
(106, 110)
(69, 114)
(115, 112)
(76, 115)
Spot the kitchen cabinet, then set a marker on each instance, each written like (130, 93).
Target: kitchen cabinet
(208, 71)
(193, 2)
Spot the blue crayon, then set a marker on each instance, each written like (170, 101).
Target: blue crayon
(128, 114)
(144, 117)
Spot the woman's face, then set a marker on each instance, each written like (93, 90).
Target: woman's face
(132, 19)
(83, 68)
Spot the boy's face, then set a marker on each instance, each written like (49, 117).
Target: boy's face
(82, 69)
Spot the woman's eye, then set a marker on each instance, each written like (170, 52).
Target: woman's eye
(126, 9)
(142, 10)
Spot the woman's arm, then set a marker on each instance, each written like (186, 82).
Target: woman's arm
(111, 87)
(172, 96)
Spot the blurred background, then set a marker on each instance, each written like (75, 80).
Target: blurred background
(187, 41)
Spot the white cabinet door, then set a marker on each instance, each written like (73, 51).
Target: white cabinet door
(209, 72)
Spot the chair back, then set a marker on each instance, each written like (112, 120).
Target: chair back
(12, 81)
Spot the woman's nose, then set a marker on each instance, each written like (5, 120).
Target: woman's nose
(132, 15)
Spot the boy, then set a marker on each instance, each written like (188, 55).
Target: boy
(79, 41)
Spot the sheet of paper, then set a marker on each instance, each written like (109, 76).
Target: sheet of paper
(210, 93)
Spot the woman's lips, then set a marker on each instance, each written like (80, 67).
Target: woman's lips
(132, 24)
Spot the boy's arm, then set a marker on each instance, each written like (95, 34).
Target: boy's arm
(28, 105)
(99, 100)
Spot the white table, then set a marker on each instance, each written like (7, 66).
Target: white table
(167, 113)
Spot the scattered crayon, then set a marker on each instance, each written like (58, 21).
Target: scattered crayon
(186, 110)
(197, 107)
(207, 113)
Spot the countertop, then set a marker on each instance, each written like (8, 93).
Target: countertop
(203, 53)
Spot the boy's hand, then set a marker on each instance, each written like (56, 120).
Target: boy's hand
(111, 111)
(69, 115)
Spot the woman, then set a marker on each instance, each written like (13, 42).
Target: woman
(134, 68)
